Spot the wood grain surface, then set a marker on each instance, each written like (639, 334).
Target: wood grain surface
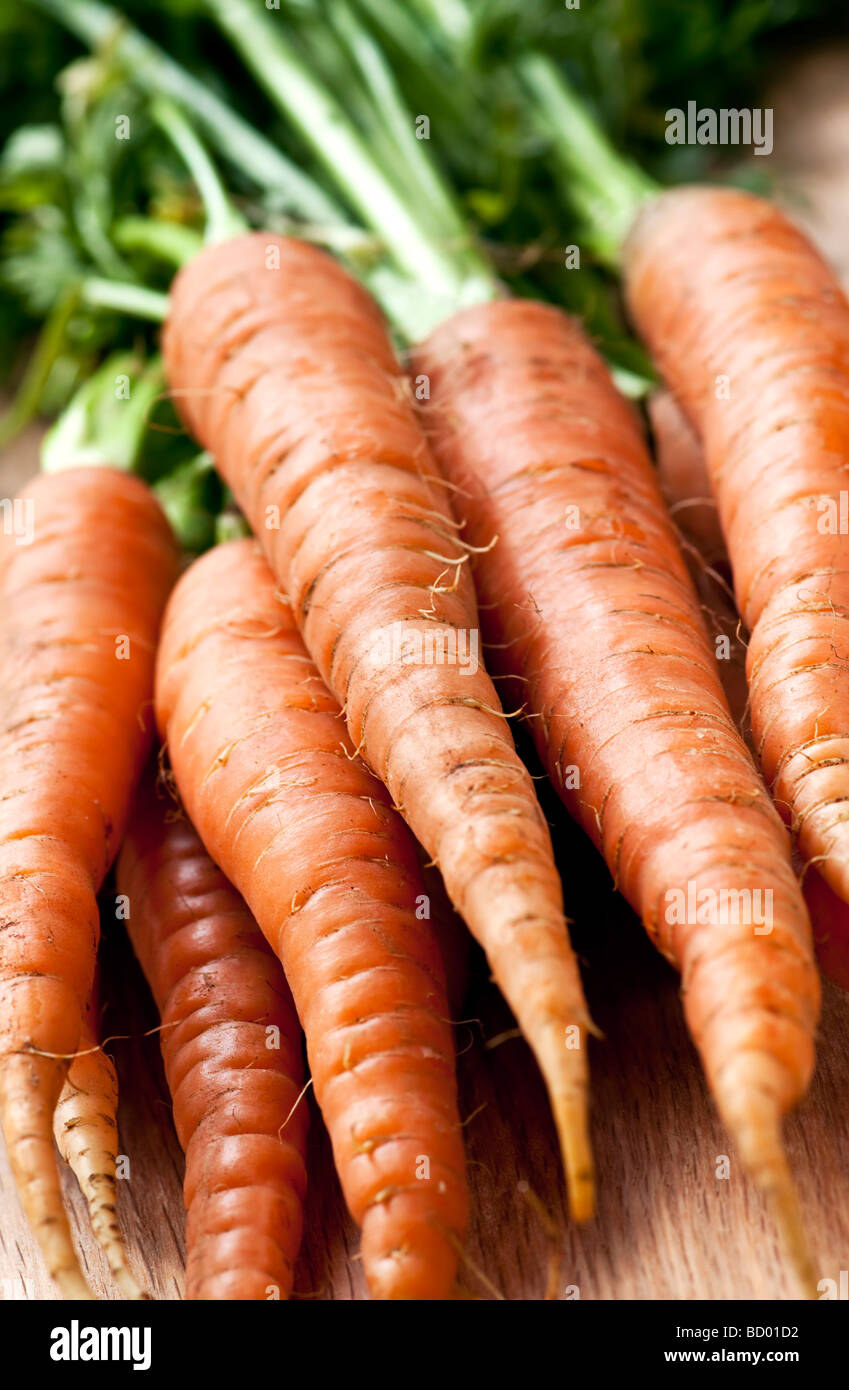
(667, 1227)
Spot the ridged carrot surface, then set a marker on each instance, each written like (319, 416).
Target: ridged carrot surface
(282, 366)
(330, 872)
(686, 492)
(751, 330)
(232, 1046)
(683, 474)
(85, 1127)
(80, 606)
(586, 598)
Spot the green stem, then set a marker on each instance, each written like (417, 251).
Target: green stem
(190, 500)
(222, 219)
(322, 122)
(92, 234)
(448, 86)
(167, 241)
(606, 189)
(25, 405)
(106, 419)
(124, 298)
(150, 68)
(427, 190)
(451, 18)
(422, 178)
(230, 526)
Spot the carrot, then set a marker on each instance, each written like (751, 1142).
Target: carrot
(79, 610)
(231, 1044)
(586, 599)
(750, 329)
(683, 478)
(85, 1127)
(752, 332)
(281, 365)
(686, 492)
(683, 475)
(330, 873)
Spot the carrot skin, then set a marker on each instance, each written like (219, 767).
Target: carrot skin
(80, 606)
(231, 1044)
(308, 836)
(683, 473)
(281, 364)
(85, 1127)
(683, 477)
(586, 598)
(751, 330)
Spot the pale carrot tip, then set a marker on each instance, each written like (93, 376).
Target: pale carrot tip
(72, 1285)
(127, 1284)
(570, 1117)
(763, 1154)
(788, 1217)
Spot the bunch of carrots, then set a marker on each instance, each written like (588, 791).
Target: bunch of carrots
(278, 746)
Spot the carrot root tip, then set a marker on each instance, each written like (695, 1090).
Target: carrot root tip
(570, 1116)
(763, 1154)
(72, 1285)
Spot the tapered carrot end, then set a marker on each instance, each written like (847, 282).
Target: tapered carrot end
(788, 1217)
(570, 1117)
(567, 1079)
(128, 1286)
(116, 1257)
(85, 1130)
(566, 1074)
(72, 1284)
(29, 1084)
(772, 1175)
(762, 1151)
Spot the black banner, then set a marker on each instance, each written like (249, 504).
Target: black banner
(54, 1341)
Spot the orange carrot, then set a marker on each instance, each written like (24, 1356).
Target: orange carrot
(683, 478)
(231, 1044)
(686, 491)
(80, 605)
(452, 938)
(586, 598)
(751, 330)
(85, 1127)
(282, 366)
(329, 871)
(683, 474)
